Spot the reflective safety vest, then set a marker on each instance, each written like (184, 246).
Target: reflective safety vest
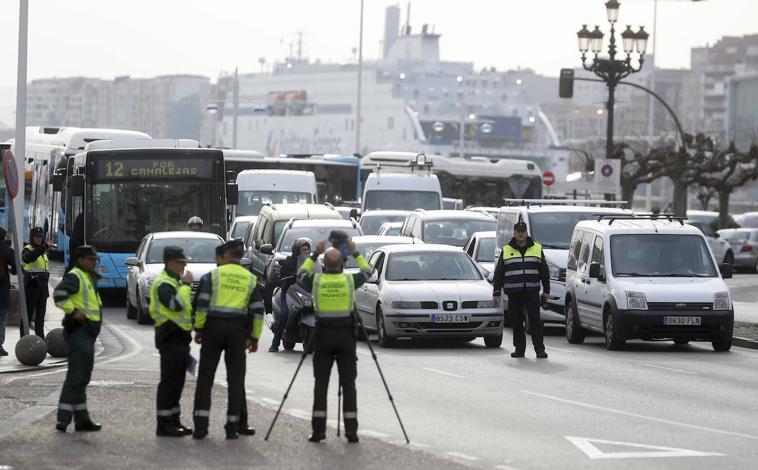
(333, 295)
(231, 289)
(160, 313)
(522, 273)
(86, 299)
(39, 265)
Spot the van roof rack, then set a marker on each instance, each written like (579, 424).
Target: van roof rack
(642, 216)
(552, 202)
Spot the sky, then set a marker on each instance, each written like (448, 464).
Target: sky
(145, 38)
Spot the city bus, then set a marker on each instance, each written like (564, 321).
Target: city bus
(475, 180)
(337, 176)
(115, 196)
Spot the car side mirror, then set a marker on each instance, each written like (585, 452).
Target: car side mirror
(77, 185)
(594, 271)
(133, 261)
(246, 262)
(266, 249)
(491, 277)
(374, 278)
(727, 270)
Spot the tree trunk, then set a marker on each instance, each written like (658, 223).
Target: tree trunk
(724, 194)
(627, 192)
(680, 198)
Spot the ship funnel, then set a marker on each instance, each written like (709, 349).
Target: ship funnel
(391, 27)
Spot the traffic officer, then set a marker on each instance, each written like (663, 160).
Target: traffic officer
(334, 302)
(520, 270)
(195, 224)
(229, 318)
(77, 296)
(171, 310)
(36, 275)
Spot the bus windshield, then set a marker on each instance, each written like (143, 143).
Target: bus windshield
(251, 202)
(402, 200)
(120, 213)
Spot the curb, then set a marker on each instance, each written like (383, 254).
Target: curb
(15, 368)
(745, 342)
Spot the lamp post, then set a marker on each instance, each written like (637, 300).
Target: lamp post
(612, 70)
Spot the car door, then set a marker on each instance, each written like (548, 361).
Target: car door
(581, 280)
(596, 288)
(371, 292)
(133, 273)
(259, 259)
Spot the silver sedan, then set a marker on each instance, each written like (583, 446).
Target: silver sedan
(744, 243)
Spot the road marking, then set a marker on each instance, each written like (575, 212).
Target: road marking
(443, 372)
(563, 350)
(299, 413)
(270, 401)
(670, 369)
(377, 434)
(505, 467)
(459, 455)
(365, 353)
(588, 446)
(635, 415)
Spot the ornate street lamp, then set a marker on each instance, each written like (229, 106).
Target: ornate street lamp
(612, 70)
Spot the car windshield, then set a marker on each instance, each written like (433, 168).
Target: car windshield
(239, 229)
(200, 250)
(250, 202)
(402, 200)
(366, 250)
(315, 234)
(431, 266)
(661, 255)
(455, 232)
(486, 250)
(392, 230)
(371, 223)
(554, 229)
(735, 235)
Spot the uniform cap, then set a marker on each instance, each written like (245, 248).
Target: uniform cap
(174, 253)
(86, 251)
(36, 231)
(519, 227)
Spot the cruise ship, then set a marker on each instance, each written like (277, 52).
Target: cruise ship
(411, 100)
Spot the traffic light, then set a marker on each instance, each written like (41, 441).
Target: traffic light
(566, 84)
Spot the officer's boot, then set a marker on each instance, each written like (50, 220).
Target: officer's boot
(201, 427)
(168, 428)
(318, 425)
(178, 423)
(232, 430)
(244, 427)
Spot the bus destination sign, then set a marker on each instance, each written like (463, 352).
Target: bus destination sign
(164, 168)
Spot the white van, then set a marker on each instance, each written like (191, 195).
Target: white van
(260, 187)
(401, 191)
(636, 278)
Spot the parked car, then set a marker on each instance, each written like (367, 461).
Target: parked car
(143, 268)
(747, 220)
(744, 243)
(481, 247)
(240, 225)
(428, 291)
(389, 229)
(646, 279)
(372, 221)
(445, 227)
(721, 249)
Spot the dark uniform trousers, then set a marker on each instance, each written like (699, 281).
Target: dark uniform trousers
(334, 343)
(517, 303)
(81, 359)
(229, 336)
(36, 303)
(173, 344)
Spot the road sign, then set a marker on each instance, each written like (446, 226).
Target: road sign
(10, 173)
(632, 451)
(608, 176)
(548, 178)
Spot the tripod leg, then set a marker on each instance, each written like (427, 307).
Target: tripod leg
(381, 375)
(276, 416)
(339, 408)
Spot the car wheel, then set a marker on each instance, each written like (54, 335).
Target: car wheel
(383, 340)
(681, 342)
(612, 340)
(492, 342)
(143, 317)
(131, 310)
(729, 257)
(722, 345)
(575, 334)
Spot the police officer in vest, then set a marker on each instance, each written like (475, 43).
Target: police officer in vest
(171, 310)
(36, 275)
(520, 271)
(229, 318)
(77, 296)
(334, 302)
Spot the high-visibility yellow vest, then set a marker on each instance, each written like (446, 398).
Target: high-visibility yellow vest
(160, 313)
(522, 273)
(333, 295)
(39, 265)
(86, 299)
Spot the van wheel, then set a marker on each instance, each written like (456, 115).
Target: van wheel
(723, 345)
(613, 341)
(384, 340)
(492, 342)
(575, 334)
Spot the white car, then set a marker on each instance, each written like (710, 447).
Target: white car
(389, 229)
(646, 279)
(427, 291)
(702, 220)
(240, 225)
(368, 244)
(372, 221)
(481, 248)
(148, 264)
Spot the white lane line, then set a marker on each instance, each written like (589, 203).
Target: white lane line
(270, 401)
(365, 353)
(459, 455)
(561, 349)
(635, 415)
(443, 372)
(670, 369)
(299, 413)
(367, 432)
(505, 467)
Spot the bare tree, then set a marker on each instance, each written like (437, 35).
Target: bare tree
(703, 194)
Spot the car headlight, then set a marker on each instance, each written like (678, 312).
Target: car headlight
(636, 301)
(721, 301)
(486, 304)
(402, 305)
(304, 299)
(555, 271)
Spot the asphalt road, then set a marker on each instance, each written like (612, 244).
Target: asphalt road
(744, 287)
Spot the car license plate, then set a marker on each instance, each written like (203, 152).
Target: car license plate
(450, 318)
(682, 321)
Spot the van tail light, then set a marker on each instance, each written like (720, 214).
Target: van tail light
(746, 249)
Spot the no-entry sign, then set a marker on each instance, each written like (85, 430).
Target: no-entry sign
(548, 178)
(10, 173)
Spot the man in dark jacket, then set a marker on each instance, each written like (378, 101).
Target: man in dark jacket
(520, 270)
(36, 276)
(301, 249)
(7, 267)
